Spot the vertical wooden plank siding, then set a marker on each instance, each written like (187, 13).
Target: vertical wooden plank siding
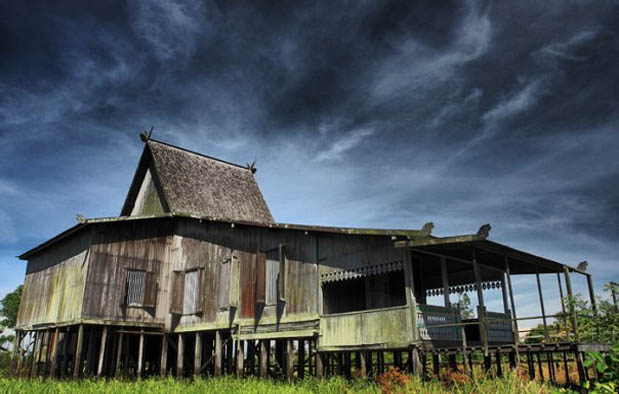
(261, 272)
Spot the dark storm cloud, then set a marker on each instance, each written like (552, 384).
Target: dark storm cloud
(363, 113)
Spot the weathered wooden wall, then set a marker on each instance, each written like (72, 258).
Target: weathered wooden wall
(54, 285)
(116, 247)
(228, 256)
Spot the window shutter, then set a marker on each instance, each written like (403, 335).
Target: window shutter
(150, 290)
(200, 290)
(261, 270)
(235, 278)
(125, 286)
(178, 291)
(283, 273)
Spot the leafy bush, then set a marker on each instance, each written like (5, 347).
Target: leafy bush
(607, 368)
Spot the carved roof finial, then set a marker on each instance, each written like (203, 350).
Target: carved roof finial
(426, 230)
(582, 266)
(144, 136)
(252, 167)
(484, 231)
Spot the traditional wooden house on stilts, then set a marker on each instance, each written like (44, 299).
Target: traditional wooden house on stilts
(195, 278)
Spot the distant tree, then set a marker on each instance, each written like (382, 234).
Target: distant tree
(9, 306)
(464, 304)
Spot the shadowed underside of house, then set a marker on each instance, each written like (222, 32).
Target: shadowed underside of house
(196, 278)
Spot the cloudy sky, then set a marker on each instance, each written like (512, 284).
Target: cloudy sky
(359, 113)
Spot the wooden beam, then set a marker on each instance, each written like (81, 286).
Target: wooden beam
(301, 359)
(591, 293)
(513, 308)
(239, 358)
(119, 352)
(504, 294)
(445, 277)
(541, 303)
(362, 363)
(197, 359)
(263, 357)
(218, 354)
(320, 369)
(78, 352)
(140, 356)
(65, 352)
(289, 359)
(52, 368)
(102, 351)
(33, 364)
(90, 350)
(180, 355)
(411, 318)
(482, 309)
(568, 285)
(163, 368)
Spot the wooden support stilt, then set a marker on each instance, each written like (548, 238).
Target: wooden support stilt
(370, 362)
(239, 358)
(15, 353)
(483, 327)
(90, 351)
(453, 365)
(54, 356)
(499, 366)
(580, 366)
(35, 353)
(514, 315)
(531, 366)
(319, 365)
(566, 368)
(468, 367)
(102, 351)
(17, 350)
(487, 363)
(565, 319)
(551, 367)
(512, 359)
(66, 338)
(263, 358)
(180, 356)
(301, 359)
(77, 365)
(415, 362)
(140, 356)
(362, 363)
(197, 356)
(541, 303)
(126, 358)
(119, 354)
(289, 356)
(163, 367)
(539, 366)
(436, 364)
(568, 285)
(230, 356)
(218, 354)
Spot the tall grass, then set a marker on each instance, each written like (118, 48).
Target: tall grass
(510, 384)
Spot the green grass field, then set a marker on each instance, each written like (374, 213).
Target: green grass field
(509, 384)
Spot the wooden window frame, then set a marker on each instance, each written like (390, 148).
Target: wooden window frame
(179, 308)
(261, 279)
(151, 288)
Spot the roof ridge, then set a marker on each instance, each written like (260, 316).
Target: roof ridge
(199, 154)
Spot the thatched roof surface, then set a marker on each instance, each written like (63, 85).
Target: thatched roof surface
(197, 184)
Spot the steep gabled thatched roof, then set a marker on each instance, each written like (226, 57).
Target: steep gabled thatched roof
(192, 183)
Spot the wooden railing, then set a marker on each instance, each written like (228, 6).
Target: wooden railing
(386, 327)
(438, 323)
(499, 327)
